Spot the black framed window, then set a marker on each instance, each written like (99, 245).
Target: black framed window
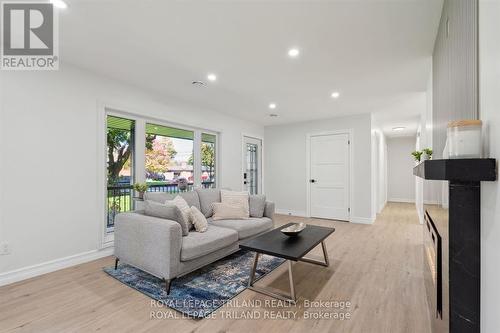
(119, 165)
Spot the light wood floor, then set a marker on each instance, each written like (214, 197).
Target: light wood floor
(375, 267)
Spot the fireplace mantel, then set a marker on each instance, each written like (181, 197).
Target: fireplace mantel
(462, 170)
(460, 231)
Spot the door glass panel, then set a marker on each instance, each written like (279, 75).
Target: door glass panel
(208, 158)
(252, 168)
(120, 175)
(169, 158)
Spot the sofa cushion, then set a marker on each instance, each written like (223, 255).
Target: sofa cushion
(207, 198)
(191, 197)
(160, 197)
(245, 228)
(198, 244)
(257, 205)
(166, 211)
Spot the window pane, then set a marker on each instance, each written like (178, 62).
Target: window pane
(252, 171)
(169, 158)
(208, 158)
(120, 154)
(170, 132)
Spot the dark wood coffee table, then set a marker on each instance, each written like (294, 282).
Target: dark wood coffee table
(277, 244)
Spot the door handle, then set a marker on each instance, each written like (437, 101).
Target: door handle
(312, 180)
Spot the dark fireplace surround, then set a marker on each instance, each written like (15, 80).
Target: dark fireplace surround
(453, 237)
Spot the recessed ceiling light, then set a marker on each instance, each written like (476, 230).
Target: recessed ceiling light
(273, 115)
(335, 94)
(293, 53)
(400, 128)
(211, 77)
(272, 105)
(59, 4)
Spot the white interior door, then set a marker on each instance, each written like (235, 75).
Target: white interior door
(329, 176)
(252, 165)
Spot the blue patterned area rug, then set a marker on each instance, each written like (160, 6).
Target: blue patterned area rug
(203, 291)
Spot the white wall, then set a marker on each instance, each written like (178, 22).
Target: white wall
(50, 177)
(285, 164)
(374, 170)
(424, 140)
(489, 65)
(400, 163)
(426, 191)
(379, 167)
(419, 182)
(382, 172)
(1, 165)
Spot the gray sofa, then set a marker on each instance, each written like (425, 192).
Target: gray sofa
(156, 245)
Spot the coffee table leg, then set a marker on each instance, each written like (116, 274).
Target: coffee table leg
(267, 291)
(325, 254)
(254, 268)
(290, 277)
(326, 263)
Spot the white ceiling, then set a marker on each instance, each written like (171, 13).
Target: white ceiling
(405, 112)
(374, 52)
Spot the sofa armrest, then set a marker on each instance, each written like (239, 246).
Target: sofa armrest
(269, 210)
(149, 243)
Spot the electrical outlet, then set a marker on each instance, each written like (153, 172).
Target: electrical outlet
(4, 249)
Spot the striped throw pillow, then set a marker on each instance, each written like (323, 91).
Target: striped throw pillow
(237, 199)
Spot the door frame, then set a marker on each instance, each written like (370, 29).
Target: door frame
(308, 167)
(243, 159)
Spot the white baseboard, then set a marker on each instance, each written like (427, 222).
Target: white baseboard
(300, 213)
(362, 220)
(53, 265)
(381, 207)
(431, 202)
(420, 216)
(401, 200)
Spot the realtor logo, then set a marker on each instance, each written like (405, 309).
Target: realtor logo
(29, 36)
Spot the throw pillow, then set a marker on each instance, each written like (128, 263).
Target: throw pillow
(199, 220)
(235, 198)
(167, 211)
(184, 208)
(224, 211)
(257, 205)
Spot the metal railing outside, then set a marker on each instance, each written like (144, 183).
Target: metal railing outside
(120, 198)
